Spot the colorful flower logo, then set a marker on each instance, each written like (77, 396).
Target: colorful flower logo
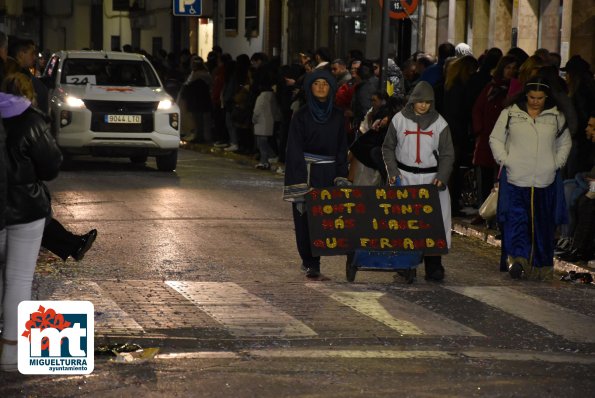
(43, 319)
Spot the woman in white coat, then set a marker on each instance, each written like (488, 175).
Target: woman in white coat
(531, 141)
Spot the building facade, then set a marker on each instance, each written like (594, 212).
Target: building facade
(286, 27)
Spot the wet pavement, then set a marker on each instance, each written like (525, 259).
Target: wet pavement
(202, 264)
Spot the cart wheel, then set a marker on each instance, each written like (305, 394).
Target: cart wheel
(350, 268)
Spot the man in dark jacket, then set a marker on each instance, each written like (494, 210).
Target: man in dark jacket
(362, 97)
(23, 51)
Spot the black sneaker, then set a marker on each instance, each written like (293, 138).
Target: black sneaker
(313, 272)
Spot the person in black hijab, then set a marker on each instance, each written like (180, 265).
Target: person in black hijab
(316, 156)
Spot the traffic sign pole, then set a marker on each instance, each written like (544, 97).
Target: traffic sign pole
(384, 45)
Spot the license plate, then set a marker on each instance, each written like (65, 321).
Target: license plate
(129, 119)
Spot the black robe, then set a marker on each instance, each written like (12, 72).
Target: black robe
(327, 139)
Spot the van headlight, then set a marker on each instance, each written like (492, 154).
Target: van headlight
(74, 102)
(165, 104)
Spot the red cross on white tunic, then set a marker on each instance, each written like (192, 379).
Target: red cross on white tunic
(418, 133)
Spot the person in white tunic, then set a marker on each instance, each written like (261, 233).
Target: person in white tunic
(418, 149)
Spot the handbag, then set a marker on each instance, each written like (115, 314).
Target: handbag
(487, 211)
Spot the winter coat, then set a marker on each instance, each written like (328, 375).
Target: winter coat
(486, 110)
(33, 157)
(395, 77)
(529, 149)
(362, 98)
(266, 113)
(196, 96)
(345, 95)
(456, 109)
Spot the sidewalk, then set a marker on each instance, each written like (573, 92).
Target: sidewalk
(460, 225)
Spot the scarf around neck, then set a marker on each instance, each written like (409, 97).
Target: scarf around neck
(320, 110)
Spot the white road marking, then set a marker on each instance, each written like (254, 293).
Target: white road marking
(242, 313)
(562, 321)
(398, 314)
(199, 355)
(108, 315)
(310, 353)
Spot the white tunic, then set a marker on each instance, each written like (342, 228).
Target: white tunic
(417, 150)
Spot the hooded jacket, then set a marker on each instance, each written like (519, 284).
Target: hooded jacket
(531, 150)
(32, 157)
(316, 143)
(407, 119)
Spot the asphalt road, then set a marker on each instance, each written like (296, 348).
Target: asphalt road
(202, 264)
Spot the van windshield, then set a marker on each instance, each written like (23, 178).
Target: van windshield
(108, 72)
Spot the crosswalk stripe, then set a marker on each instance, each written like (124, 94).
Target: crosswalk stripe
(108, 315)
(498, 355)
(344, 353)
(242, 313)
(558, 320)
(399, 314)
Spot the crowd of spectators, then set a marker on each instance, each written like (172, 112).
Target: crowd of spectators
(471, 90)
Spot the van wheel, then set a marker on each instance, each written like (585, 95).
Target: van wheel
(167, 162)
(138, 159)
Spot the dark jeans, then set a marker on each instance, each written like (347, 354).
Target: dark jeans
(302, 238)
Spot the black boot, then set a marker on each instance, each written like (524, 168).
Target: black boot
(85, 244)
(434, 268)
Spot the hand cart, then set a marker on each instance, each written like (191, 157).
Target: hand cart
(375, 260)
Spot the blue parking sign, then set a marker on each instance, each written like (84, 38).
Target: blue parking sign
(187, 8)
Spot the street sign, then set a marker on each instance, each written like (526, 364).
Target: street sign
(401, 9)
(187, 8)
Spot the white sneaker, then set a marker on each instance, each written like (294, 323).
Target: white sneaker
(231, 148)
(563, 244)
(280, 170)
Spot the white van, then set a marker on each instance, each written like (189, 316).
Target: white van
(112, 104)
